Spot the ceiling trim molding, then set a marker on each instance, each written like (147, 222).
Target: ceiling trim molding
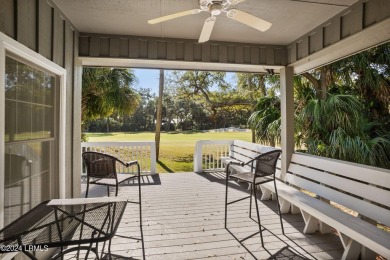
(175, 65)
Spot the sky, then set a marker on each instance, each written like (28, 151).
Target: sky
(149, 78)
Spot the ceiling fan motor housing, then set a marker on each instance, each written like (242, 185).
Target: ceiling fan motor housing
(215, 8)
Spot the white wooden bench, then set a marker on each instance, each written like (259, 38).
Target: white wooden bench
(242, 151)
(362, 189)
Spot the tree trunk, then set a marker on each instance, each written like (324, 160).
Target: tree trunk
(253, 135)
(263, 88)
(159, 113)
(321, 85)
(108, 125)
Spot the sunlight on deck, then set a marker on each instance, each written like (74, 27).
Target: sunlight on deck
(183, 218)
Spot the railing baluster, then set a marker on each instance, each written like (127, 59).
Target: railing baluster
(208, 153)
(144, 152)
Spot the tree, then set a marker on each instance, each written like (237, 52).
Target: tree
(221, 101)
(265, 120)
(337, 127)
(341, 110)
(144, 117)
(159, 112)
(256, 86)
(200, 83)
(107, 90)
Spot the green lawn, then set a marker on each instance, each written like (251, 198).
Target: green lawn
(176, 149)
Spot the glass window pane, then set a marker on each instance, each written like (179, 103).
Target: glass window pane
(24, 84)
(38, 122)
(23, 121)
(49, 122)
(31, 159)
(11, 78)
(10, 120)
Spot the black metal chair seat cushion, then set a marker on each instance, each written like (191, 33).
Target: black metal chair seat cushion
(263, 169)
(248, 177)
(121, 177)
(101, 170)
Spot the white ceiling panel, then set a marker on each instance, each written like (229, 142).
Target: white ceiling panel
(290, 18)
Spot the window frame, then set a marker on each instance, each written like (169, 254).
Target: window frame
(10, 47)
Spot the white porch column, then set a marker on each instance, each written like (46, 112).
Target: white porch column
(77, 161)
(287, 111)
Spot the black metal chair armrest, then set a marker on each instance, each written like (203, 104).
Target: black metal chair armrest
(250, 161)
(232, 163)
(131, 163)
(236, 163)
(121, 162)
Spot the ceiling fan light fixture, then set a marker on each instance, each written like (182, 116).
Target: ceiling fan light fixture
(215, 9)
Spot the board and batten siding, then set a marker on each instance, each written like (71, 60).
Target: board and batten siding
(361, 26)
(368, 15)
(42, 27)
(149, 48)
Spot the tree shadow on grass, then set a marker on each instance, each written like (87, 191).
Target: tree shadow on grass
(185, 132)
(164, 166)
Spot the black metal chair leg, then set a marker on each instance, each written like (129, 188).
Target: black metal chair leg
(109, 250)
(258, 217)
(140, 211)
(250, 203)
(280, 213)
(86, 193)
(226, 195)
(116, 191)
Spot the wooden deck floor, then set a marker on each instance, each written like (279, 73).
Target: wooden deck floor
(183, 218)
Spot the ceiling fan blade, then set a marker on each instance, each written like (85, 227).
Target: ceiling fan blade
(173, 16)
(234, 2)
(248, 19)
(320, 3)
(207, 29)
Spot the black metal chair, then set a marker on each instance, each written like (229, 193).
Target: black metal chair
(263, 169)
(101, 170)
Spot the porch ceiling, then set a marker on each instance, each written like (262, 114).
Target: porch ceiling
(290, 18)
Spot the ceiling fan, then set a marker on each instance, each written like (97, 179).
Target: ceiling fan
(215, 8)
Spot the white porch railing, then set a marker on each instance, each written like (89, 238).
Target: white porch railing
(208, 153)
(143, 152)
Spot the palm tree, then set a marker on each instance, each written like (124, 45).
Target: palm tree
(338, 127)
(341, 110)
(368, 73)
(265, 120)
(255, 86)
(106, 91)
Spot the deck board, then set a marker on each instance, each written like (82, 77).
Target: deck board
(183, 218)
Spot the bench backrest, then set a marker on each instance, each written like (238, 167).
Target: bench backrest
(361, 188)
(246, 151)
